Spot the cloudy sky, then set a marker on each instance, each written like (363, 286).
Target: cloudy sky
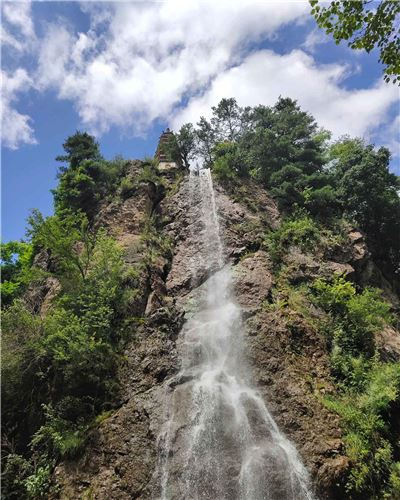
(125, 70)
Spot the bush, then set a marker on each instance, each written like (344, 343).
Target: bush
(368, 389)
(87, 179)
(150, 172)
(17, 271)
(127, 187)
(357, 316)
(222, 170)
(16, 470)
(22, 371)
(321, 202)
(302, 232)
(59, 438)
(229, 163)
(366, 415)
(59, 371)
(38, 484)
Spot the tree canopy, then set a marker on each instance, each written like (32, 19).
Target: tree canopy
(79, 147)
(365, 25)
(283, 148)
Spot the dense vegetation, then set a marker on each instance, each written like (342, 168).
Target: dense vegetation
(59, 364)
(367, 386)
(282, 148)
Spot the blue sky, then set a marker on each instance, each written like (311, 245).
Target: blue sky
(124, 71)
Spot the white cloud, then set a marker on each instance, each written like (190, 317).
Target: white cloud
(19, 15)
(8, 39)
(16, 17)
(313, 39)
(55, 52)
(16, 128)
(140, 62)
(389, 136)
(263, 76)
(145, 58)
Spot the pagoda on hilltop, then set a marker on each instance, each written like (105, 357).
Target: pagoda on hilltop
(163, 152)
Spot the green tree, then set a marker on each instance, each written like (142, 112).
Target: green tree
(205, 140)
(87, 178)
(182, 145)
(69, 357)
(84, 186)
(228, 163)
(280, 136)
(369, 194)
(79, 147)
(186, 140)
(70, 241)
(16, 269)
(365, 25)
(227, 120)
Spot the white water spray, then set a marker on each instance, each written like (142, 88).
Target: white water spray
(220, 442)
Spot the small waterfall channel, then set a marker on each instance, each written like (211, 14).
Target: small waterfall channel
(220, 441)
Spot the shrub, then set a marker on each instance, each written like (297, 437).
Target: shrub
(17, 271)
(365, 416)
(87, 179)
(38, 484)
(321, 202)
(127, 187)
(59, 438)
(68, 359)
(367, 388)
(229, 163)
(222, 169)
(357, 315)
(302, 232)
(16, 470)
(150, 172)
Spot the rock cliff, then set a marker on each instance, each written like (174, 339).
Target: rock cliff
(287, 356)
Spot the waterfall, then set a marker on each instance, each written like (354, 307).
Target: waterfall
(220, 441)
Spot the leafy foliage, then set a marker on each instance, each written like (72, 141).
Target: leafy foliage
(367, 415)
(228, 164)
(87, 179)
(365, 25)
(368, 388)
(282, 148)
(59, 367)
(69, 240)
(227, 120)
(302, 232)
(182, 147)
(16, 270)
(58, 372)
(15, 474)
(368, 191)
(279, 146)
(357, 315)
(79, 147)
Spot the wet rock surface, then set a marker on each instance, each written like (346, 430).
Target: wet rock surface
(288, 364)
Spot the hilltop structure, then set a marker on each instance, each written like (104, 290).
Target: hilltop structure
(163, 152)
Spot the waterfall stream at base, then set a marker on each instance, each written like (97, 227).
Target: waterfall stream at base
(219, 440)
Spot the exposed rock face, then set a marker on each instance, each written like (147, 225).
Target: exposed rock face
(287, 360)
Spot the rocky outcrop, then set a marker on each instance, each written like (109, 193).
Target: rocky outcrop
(290, 367)
(287, 358)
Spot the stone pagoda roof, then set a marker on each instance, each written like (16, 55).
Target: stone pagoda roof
(161, 152)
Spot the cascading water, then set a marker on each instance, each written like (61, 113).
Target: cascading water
(220, 441)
